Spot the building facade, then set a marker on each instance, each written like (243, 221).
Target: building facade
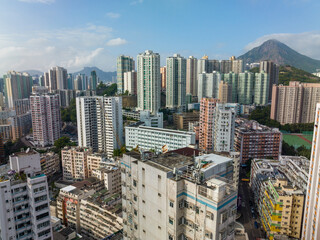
(311, 224)
(254, 140)
(100, 124)
(208, 85)
(157, 139)
(207, 106)
(46, 118)
(161, 191)
(24, 198)
(16, 86)
(272, 69)
(176, 82)
(130, 82)
(124, 64)
(223, 128)
(181, 120)
(148, 81)
(295, 103)
(192, 76)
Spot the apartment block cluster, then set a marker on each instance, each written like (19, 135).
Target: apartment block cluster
(279, 188)
(185, 80)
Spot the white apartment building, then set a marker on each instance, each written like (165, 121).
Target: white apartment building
(130, 82)
(155, 120)
(176, 82)
(24, 199)
(99, 121)
(148, 81)
(223, 128)
(46, 118)
(208, 85)
(311, 223)
(147, 138)
(168, 192)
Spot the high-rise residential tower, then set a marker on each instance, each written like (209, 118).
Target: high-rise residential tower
(207, 106)
(99, 121)
(148, 81)
(163, 72)
(245, 88)
(295, 103)
(124, 64)
(232, 79)
(208, 85)
(237, 66)
(272, 70)
(191, 76)
(311, 223)
(176, 82)
(93, 80)
(261, 88)
(16, 86)
(46, 118)
(58, 78)
(130, 82)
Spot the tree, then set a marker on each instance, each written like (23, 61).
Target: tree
(69, 114)
(61, 143)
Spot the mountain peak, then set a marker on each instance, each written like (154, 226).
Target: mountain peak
(281, 54)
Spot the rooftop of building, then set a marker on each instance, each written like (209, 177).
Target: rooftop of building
(251, 126)
(77, 148)
(169, 161)
(140, 125)
(24, 153)
(186, 151)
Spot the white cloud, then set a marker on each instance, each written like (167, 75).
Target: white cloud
(38, 1)
(136, 2)
(72, 48)
(307, 43)
(113, 15)
(116, 42)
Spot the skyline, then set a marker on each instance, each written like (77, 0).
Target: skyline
(74, 34)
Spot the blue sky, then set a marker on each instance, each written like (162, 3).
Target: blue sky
(39, 34)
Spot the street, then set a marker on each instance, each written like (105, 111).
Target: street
(246, 218)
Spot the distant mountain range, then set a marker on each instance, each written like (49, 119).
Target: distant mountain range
(103, 76)
(281, 54)
(34, 73)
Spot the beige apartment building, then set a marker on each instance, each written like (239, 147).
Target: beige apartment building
(295, 103)
(225, 92)
(78, 163)
(181, 120)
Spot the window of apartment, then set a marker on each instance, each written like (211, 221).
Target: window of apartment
(135, 212)
(135, 198)
(171, 203)
(159, 211)
(159, 194)
(159, 177)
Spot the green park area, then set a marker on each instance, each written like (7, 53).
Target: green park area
(297, 140)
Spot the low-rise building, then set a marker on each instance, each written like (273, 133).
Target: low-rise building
(50, 163)
(79, 163)
(254, 140)
(181, 121)
(91, 212)
(111, 176)
(147, 138)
